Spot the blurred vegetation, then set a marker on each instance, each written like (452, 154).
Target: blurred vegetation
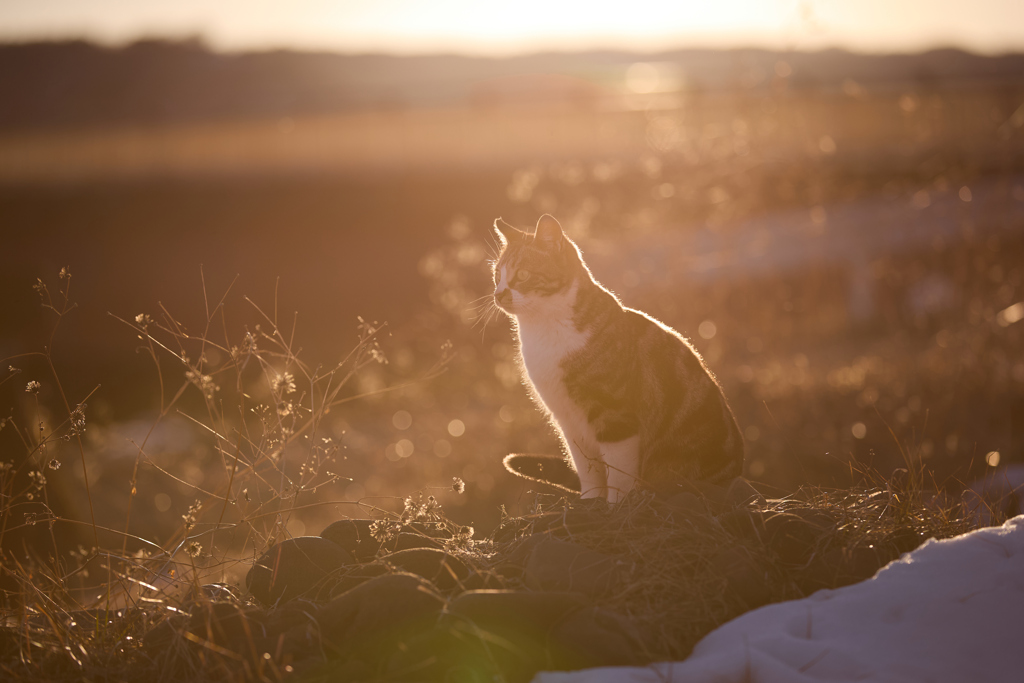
(846, 254)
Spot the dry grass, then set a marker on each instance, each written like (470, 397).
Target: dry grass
(131, 608)
(697, 562)
(81, 612)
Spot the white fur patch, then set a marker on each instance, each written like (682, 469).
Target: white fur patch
(547, 336)
(502, 281)
(623, 462)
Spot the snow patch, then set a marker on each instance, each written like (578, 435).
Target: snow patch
(948, 612)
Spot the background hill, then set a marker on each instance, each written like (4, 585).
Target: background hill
(44, 85)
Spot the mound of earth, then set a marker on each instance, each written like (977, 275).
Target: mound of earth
(573, 585)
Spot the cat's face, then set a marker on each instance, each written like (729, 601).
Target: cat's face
(533, 268)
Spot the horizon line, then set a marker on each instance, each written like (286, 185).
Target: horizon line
(211, 46)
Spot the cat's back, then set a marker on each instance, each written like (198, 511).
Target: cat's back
(660, 346)
(688, 430)
(637, 336)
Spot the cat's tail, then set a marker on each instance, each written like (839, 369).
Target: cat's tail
(553, 470)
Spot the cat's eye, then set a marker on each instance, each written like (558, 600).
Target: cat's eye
(523, 275)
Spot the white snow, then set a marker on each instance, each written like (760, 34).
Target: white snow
(952, 610)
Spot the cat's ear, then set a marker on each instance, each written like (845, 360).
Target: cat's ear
(549, 232)
(506, 232)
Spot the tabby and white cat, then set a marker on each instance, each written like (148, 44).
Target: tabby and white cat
(632, 401)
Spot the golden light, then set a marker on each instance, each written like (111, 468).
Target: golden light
(408, 26)
(402, 419)
(1011, 314)
(456, 428)
(707, 329)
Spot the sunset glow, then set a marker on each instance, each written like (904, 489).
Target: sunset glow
(405, 26)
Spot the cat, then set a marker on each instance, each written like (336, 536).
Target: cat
(630, 398)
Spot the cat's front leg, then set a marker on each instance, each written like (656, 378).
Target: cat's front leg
(622, 459)
(593, 474)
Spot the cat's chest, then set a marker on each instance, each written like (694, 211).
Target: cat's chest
(544, 348)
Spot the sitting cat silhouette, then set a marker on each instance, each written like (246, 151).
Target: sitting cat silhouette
(631, 400)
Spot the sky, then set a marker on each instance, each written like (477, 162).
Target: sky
(502, 27)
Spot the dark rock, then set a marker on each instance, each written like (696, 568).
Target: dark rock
(558, 565)
(295, 613)
(504, 632)
(443, 570)
(593, 637)
(439, 531)
(353, 535)
(295, 567)
(293, 630)
(338, 671)
(408, 541)
(229, 626)
(220, 592)
(354, 576)
(456, 652)
(485, 580)
(510, 636)
(509, 571)
(377, 617)
(225, 630)
(159, 638)
(514, 611)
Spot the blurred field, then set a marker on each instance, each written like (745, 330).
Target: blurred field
(861, 131)
(847, 258)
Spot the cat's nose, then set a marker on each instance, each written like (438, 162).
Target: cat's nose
(504, 297)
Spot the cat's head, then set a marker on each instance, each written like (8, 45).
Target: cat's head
(533, 267)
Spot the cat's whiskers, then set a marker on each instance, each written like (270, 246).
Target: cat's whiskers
(479, 305)
(484, 312)
(482, 309)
